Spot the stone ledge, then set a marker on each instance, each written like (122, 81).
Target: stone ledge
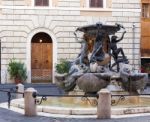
(18, 103)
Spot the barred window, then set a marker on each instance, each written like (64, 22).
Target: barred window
(41, 2)
(96, 3)
(146, 10)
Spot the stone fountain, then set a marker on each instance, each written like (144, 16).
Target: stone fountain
(93, 69)
(100, 64)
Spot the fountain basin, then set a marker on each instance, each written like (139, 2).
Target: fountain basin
(19, 103)
(131, 105)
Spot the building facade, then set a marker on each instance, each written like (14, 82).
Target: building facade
(145, 36)
(40, 32)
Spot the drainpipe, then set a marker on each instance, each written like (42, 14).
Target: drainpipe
(133, 44)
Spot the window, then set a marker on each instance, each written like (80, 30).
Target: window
(96, 3)
(146, 10)
(41, 3)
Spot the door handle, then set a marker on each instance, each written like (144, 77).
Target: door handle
(35, 61)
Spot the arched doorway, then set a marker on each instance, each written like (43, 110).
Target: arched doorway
(41, 58)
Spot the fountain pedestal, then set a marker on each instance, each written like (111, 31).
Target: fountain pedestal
(29, 101)
(104, 104)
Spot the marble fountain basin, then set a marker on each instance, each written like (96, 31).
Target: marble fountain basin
(81, 106)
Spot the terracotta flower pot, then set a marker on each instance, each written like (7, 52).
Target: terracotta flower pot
(17, 80)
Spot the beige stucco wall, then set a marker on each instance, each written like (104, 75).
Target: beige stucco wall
(109, 3)
(54, 3)
(28, 2)
(82, 3)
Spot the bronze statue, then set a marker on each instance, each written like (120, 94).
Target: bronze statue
(116, 50)
(82, 58)
(98, 53)
(87, 70)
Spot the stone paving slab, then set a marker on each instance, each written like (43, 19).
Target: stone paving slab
(11, 116)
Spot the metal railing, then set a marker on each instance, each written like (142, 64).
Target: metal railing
(9, 94)
(123, 97)
(84, 97)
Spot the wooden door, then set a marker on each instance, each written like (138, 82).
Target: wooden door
(41, 62)
(145, 38)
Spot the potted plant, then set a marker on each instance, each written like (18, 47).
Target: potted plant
(63, 66)
(62, 70)
(17, 71)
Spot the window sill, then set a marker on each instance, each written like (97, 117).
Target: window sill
(96, 9)
(103, 12)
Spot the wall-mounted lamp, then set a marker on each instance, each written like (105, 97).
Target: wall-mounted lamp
(40, 40)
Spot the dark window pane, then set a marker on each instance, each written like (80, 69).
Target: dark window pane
(41, 2)
(45, 3)
(145, 10)
(38, 2)
(96, 3)
(99, 3)
(92, 3)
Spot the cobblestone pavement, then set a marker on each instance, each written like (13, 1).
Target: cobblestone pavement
(10, 116)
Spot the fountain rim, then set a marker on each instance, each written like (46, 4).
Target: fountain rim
(18, 103)
(103, 28)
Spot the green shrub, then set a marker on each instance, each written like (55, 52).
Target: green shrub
(63, 66)
(17, 70)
